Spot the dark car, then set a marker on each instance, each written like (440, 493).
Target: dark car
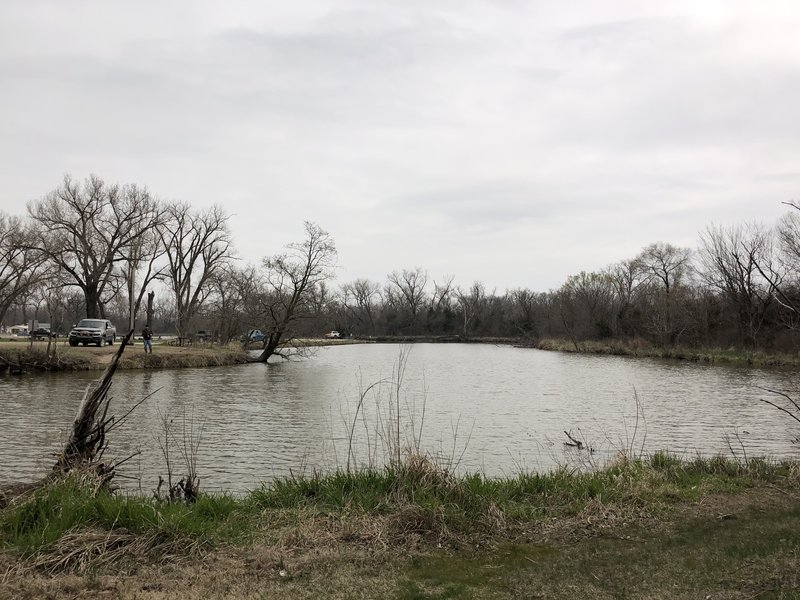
(42, 333)
(93, 331)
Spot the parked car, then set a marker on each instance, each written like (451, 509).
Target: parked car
(93, 331)
(333, 335)
(42, 333)
(255, 335)
(203, 335)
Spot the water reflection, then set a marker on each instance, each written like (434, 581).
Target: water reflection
(496, 409)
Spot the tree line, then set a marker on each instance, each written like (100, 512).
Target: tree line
(93, 249)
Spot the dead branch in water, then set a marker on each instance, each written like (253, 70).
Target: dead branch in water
(576, 443)
(83, 451)
(87, 441)
(793, 413)
(790, 407)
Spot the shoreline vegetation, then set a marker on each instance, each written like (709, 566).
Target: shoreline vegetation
(658, 527)
(643, 349)
(17, 358)
(21, 356)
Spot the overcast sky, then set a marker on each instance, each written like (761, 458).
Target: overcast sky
(510, 142)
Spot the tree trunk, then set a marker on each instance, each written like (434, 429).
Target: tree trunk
(131, 299)
(92, 302)
(182, 325)
(3, 310)
(150, 309)
(272, 343)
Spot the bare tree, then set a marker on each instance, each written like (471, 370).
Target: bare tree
(233, 300)
(785, 276)
(524, 318)
(665, 263)
(440, 304)
(358, 298)
(21, 265)
(197, 245)
(291, 279)
(407, 289)
(729, 259)
(627, 278)
(88, 225)
(666, 267)
(442, 294)
(320, 298)
(139, 265)
(471, 303)
(55, 301)
(591, 296)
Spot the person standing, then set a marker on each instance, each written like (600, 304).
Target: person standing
(147, 338)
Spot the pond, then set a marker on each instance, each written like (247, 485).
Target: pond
(494, 409)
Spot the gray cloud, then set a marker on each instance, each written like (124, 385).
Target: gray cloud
(510, 142)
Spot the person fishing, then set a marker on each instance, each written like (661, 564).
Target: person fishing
(147, 339)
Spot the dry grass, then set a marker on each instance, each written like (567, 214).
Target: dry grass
(641, 348)
(85, 550)
(260, 573)
(730, 546)
(89, 358)
(656, 529)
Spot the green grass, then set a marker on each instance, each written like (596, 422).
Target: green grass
(753, 554)
(465, 506)
(662, 478)
(36, 523)
(657, 528)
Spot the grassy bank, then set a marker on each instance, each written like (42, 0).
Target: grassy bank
(659, 528)
(645, 349)
(62, 357)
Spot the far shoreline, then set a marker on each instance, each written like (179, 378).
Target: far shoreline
(20, 355)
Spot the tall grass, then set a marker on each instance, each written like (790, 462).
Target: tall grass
(662, 477)
(71, 519)
(386, 420)
(36, 523)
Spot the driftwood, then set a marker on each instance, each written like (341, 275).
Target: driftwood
(573, 442)
(87, 440)
(576, 443)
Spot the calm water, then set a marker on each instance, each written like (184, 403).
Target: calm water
(487, 408)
